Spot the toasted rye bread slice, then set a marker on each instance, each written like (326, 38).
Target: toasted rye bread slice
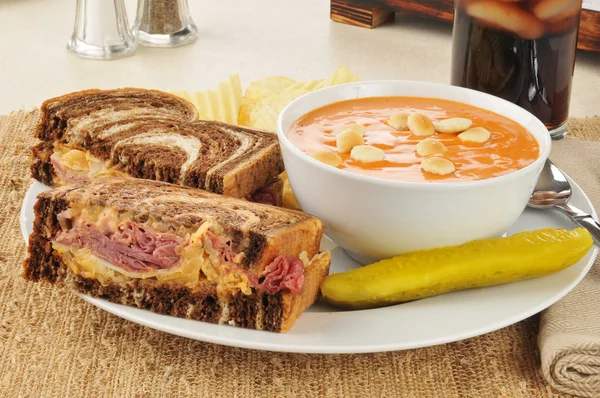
(150, 134)
(264, 311)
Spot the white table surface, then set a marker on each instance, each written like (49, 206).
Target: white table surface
(254, 38)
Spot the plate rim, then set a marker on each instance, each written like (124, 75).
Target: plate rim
(131, 313)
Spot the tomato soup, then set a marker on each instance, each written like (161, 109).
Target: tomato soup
(509, 147)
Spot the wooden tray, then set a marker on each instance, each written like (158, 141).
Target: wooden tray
(372, 13)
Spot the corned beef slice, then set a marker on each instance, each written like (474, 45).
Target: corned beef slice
(135, 247)
(65, 174)
(264, 196)
(219, 244)
(283, 273)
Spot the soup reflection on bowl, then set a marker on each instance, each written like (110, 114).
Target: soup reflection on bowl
(397, 166)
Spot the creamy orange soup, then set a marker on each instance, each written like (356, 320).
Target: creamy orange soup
(509, 148)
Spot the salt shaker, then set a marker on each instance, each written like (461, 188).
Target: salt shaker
(101, 30)
(164, 23)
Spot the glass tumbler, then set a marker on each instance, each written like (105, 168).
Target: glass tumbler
(101, 30)
(164, 23)
(519, 50)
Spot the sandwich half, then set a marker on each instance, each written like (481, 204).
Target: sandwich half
(179, 251)
(152, 135)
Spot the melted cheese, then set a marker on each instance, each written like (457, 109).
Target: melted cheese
(307, 262)
(199, 261)
(234, 281)
(82, 163)
(83, 263)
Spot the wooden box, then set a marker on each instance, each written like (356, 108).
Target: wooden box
(372, 13)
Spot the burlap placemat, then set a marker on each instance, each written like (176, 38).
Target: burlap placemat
(53, 344)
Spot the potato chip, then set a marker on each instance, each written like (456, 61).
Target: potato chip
(263, 113)
(222, 104)
(342, 75)
(259, 89)
(244, 113)
(307, 86)
(264, 118)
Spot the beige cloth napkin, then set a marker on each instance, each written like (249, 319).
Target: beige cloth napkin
(569, 339)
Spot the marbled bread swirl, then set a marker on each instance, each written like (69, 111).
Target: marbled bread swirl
(74, 114)
(263, 232)
(153, 135)
(217, 157)
(89, 109)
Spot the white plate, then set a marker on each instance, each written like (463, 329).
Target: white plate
(323, 329)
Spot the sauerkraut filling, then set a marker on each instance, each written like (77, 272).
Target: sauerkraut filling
(110, 247)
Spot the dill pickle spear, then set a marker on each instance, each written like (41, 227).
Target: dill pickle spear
(479, 263)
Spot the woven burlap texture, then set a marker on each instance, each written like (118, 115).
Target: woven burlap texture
(54, 344)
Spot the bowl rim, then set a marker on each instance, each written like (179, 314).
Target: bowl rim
(545, 142)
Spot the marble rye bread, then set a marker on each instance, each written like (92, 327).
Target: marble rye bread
(155, 135)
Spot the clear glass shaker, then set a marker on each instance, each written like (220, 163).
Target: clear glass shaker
(164, 23)
(101, 30)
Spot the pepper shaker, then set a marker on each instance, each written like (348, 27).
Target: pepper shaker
(164, 23)
(101, 30)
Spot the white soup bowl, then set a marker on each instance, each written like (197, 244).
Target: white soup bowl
(374, 218)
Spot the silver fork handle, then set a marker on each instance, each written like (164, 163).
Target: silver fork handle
(583, 219)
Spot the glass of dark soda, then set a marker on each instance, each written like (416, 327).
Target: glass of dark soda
(519, 50)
